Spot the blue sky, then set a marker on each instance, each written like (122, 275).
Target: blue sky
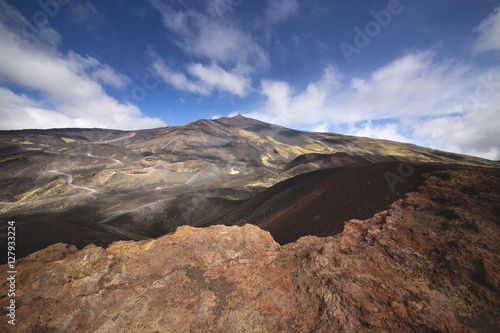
(425, 72)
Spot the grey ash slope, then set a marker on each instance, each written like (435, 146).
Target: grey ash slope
(259, 143)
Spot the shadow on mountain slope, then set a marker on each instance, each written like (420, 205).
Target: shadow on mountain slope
(320, 202)
(323, 161)
(33, 235)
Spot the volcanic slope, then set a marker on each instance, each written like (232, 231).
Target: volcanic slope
(240, 143)
(318, 203)
(140, 184)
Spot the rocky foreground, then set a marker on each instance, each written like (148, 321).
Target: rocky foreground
(431, 263)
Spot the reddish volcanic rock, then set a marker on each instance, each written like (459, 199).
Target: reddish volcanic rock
(430, 263)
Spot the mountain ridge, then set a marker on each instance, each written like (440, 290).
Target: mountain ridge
(146, 183)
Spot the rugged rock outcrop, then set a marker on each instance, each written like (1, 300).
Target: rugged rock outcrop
(430, 263)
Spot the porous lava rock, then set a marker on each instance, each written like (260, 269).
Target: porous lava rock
(430, 263)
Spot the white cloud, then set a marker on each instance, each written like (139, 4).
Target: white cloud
(70, 85)
(110, 77)
(475, 131)
(178, 80)
(489, 33)
(22, 30)
(408, 86)
(322, 128)
(225, 45)
(84, 10)
(22, 112)
(279, 99)
(205, 35)
(97, 71)
(204, 79)
(289, 107)
(384, 131)
(413, 85)
(222, 8)
(212, 36)
(278, 10)
(449, 107)
(218, 78)
(172, 19)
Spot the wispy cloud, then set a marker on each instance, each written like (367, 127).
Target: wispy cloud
(86, 14)
(19, 31)
(389, 131)
(279, 10)
(97, 71)
(489, 33)
(216, 77)
(222, 8)
(413, 85)
(204, 80)
(178, 80)
(474, 133)
(476, 129)
(286, 105)
(226, 55)
(204, 35)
